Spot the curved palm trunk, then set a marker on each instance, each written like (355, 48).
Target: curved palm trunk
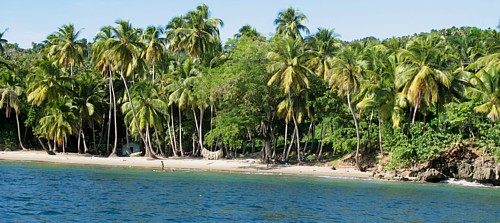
(200, 131)
(84, 143)
(180, 133)
(115, 142)
(285, 153)
(380, 134)
(416, 108)
(148, 148)
(19, 132)
(356, 125)
(169, 129)
(174, 145)
(79, 138)
(320, 153)
(297, 136)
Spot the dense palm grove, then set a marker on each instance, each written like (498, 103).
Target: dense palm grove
(176, 89)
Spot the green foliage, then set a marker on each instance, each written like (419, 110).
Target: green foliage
(422, 144)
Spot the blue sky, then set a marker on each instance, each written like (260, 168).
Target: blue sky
(32, 20)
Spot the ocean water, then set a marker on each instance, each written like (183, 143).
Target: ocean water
(39, 192)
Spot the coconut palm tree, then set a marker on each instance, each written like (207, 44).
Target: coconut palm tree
(198, 35)
(180, 85)
(348, 67)
(248, 31)
(102, 58)
(58, 122)
(125, 51)
(150, 111)
(66, 48)
(486, 89)
(155, 48)
(289, 23)
(2, 42)
(174, 34)
(287, 63)
(89, 102)
(47, 83)
(10, 91)
(421, 72)
(322, 45)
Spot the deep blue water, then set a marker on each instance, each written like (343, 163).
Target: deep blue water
(38, 192)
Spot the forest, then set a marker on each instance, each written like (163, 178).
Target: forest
(298, 96)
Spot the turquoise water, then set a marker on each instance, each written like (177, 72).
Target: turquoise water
(37, 192)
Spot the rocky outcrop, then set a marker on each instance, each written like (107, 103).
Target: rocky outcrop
(460, 162)
(431, 175)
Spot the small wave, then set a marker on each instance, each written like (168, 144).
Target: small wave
(453, 181)
(337, 177)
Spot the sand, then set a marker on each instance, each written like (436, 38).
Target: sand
(246, 166)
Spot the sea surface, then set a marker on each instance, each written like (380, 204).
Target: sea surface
(41, 192)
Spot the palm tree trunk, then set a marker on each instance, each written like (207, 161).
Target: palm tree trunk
(200, 131)
(43, 146)
(320, 153)
(368, 134)
(19, 132)
(158, 141)
(135, 116)
(174, 147)
(358, 138)
(169, 129)
(309, 135)
(180, 133)
(416, 108)
(285, 154)
(84, 143)
(115, 142)
(380, 134)
(291, 144)
(109, 114)
(79, 138)
(297, 136)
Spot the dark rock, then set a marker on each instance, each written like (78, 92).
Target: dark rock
(432, 175)
(483, 174)
(464, 171)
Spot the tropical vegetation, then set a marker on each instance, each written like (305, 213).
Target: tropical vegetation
(293, 97)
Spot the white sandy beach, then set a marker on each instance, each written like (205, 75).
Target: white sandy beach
(182, 163)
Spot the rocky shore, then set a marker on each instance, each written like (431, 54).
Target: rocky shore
(461, 162)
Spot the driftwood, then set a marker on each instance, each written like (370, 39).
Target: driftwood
(212, 155)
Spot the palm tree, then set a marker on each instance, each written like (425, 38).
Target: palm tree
(248, 31)
(174, 34)
(180, 85)
(125, 51)
(421, 73)
(2, 42)
(47, 83)
(345, 76)
(198, 35)
(150, 111)
(322, 45)
(10, 91)
(89, 102)
(155, 48)
(66, 48)
(290, 23)
(102, 58)
(288, 66)
(58, 122)
(486, 89)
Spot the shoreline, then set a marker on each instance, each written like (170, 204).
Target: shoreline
(242, 166)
